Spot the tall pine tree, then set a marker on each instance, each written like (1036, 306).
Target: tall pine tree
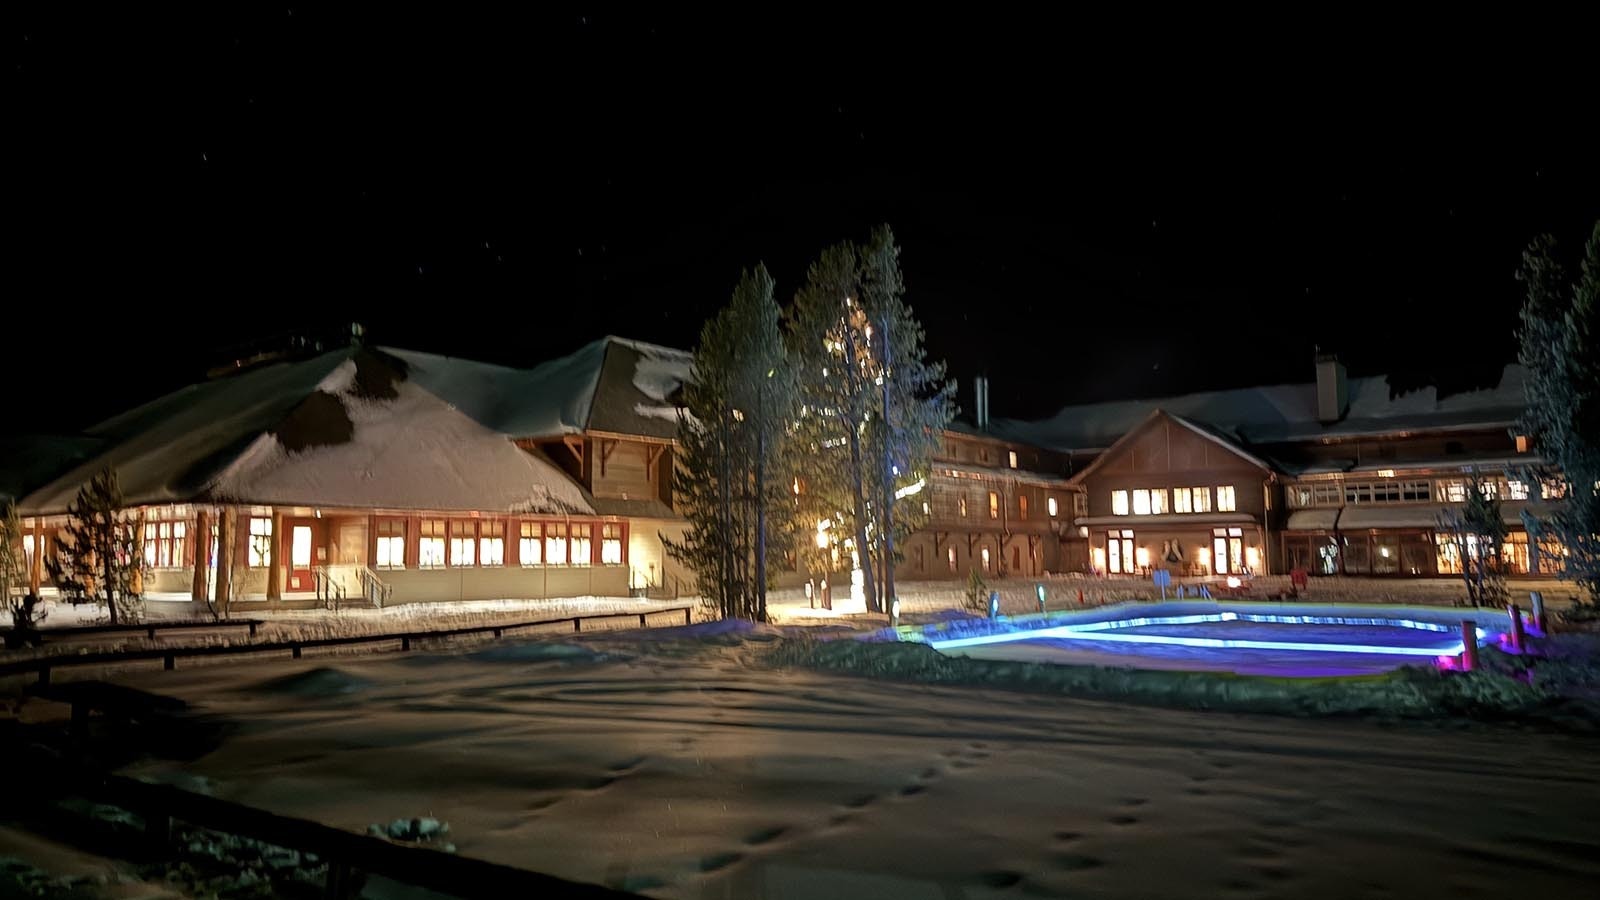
(1560, 341)
(98, 556)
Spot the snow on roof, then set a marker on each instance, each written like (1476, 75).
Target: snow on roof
(27, 461)
(413, 452)
(1284, 412)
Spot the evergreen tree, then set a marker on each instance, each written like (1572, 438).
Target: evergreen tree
(1560, 341)
(21, 605)
(98, 557)
(1478, 532)
(732, 436)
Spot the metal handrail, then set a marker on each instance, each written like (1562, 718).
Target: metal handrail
(373, 587)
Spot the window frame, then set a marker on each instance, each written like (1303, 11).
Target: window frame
(433, 537)
(258, 547)
(384, 540)
(1232, 503)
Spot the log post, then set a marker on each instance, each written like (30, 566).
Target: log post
(1535, 601)
(1517, 637)
(201, 541)
(1469, 645)
(275, 558)
(227, 521)
(34, 565)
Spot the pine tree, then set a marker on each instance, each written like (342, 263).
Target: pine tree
(21, 605)
(1478, 533)
(738, 406)
(98, 557)
(1560, 341)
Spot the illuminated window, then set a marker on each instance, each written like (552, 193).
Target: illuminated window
(1158, 501)
(1050, 506)
(391, 544)
(961, 504)
(530, 544)
(555, 543)
(1453, 491)
(1012, 455)
(984, 553)
(1489, 488)
(951, 555)
(1225, 498)
(1522, 443)
(994, 505)
(582, 544)
(165, 544)
(1180, 500)
(463, 540)
(1119, 503)
(260, 551)
(1022, 506)
(1120, 556)
(491, 543)
(430, 547)
(1517, 490)
(1552, 489)
(1141, 503)
(300, 547)
(1416, 491)
(611, 544)
(1201, 498)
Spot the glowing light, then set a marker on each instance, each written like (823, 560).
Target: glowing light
(1252, 557)
(913, 488)
(1142, 557)
(1100, 558)
(1233, 581)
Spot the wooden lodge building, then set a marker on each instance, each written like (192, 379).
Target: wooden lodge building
(400, 476)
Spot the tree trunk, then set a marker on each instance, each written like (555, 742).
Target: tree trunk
(863, 550)
(888, 476)
(107, 561)
(761, 516)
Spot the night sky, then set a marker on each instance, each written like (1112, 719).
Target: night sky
(1088, 209)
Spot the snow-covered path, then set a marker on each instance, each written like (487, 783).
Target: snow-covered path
(683, 770)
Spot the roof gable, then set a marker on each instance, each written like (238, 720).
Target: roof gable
(1149, 442)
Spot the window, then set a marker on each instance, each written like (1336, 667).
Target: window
(1516, 490)
(1180, 500)
(165, 544)
(951, 555)
(1355, 493)
(430, 548)
(1489, 488)
(1552, 489)
(1386, 492)
(530, 545)
(260, 551)
(1158, 501)
(611, 545)
(1022, 506)
(1050, 506)
(1120, 557)
(1141, 503)
(1225, 498)
(491, 543)
(1416, 491)
(1300, 495)
(1522, 443)
(1453, 491)
(582, 544)
(1119, 503)
(1012, 456)
(961, 504)
(1227, 550)
(555, 544)
(984, 553)
(1326, 493)
(463, 540)
(391, 544)
(994, 505)
(1202, 499)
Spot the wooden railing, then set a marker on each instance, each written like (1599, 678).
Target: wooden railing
(346, 853)
(170, 655)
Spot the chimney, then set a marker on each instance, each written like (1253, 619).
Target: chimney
(1333, 392)
(981, 399)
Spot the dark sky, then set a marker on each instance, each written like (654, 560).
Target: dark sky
(1088, 209)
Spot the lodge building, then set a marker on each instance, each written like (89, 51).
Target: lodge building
(392, 476)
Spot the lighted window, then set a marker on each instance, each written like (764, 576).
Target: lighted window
(1202, 499)
(260, 551)
(463, 541)
(1552, 489)
(491, 543)
(391, 544)
(611, 544)
(1522, 443)
(1012, 456)
(994, 505)
(165, 544)
(1180, 500)
(1141, 503)
(1327, 493)
(1453, 491)
(984, 554)
(1050, 506)
(1517, 490)
(555, 543)
(1489, 488)
(1022, 506)
(1158, 501)
(961, 504)
(300, 547)
(530, 544)
(1225, 498)
(1119, 503)
(430, 547)
(951, 556)
(582, 544)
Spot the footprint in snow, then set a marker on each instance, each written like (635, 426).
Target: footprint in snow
(718, 861)
(765, 835)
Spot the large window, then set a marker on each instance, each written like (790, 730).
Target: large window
(391, 544)
(1227, 549)
(463, 541)
(259, 555)
(1453, 491)
(950, 555)
(1022, 506)
(1120, 557)
(1416, 491)
(1051, 507)
(582, 543)
(1200, 498)
(994, 505)
(961, 504)
(430, 546)
(1225, 498)
(1180, 500)
(611, 545)
(1158, 501)
(1141, 503)
(1119, 503)
(984, 555)
(492, 543)
(1516, 490)
(1012, 458)
(530, 545)
(166, 543)
(555, 543)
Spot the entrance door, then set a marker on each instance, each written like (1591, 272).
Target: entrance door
(300, 558)
(1119, 552)
(1227, 551)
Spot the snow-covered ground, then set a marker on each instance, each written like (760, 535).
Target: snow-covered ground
(688, 769)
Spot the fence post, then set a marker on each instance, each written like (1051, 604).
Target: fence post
(295, 650)
(151, 631)
(1536, 601)
(1469, 645)
(405, 643)
(169, 662)
(641, 620)
(577, 623)
(497, 632)
(1516, 626)
(252, 629)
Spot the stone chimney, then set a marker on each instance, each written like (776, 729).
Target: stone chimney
(1333, 391)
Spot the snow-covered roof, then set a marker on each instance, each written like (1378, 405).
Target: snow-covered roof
(350, 427)
(613, 384)
(1286, 412)
(27, 461)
